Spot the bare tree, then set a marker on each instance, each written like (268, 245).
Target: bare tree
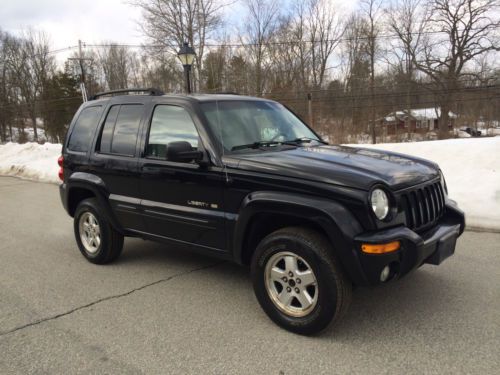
(356, 65)
(402, 20)
(161, 72)
(213, 70)
(260, 26)
(458, 33)
(325, 31)
(239, 78)
(371, 9)
(300, 48)
(115, 63)
(31, 64)
(286, 71)
(134, 68)
(5, 99)
(170, 23)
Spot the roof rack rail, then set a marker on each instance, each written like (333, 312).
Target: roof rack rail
(149, 91)
(227, 93)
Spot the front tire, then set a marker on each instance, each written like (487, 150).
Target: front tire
(298, 281)
(97, 240)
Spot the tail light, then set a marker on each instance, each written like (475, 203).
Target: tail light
(61, 169)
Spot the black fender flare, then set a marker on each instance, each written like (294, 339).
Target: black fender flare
(96, 185)
(334, 218)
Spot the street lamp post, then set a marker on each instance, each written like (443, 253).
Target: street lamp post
(186, 56)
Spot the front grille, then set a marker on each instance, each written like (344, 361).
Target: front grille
(423, 206)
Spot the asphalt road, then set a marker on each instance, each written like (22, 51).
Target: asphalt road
(163, 310)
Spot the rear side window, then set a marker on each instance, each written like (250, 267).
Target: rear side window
(119, 133)
(84, 128)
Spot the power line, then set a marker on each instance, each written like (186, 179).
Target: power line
(284, 42)
(62, 50)
(346, 94)
(330, 100)
(420, 91)
(53, 52)
(40, 102)
(422, 104)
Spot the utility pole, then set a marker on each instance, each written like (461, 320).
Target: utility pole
(80, 60)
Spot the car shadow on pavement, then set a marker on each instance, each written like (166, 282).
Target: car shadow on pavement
(404, 307)
(142, 251)
(387, 310)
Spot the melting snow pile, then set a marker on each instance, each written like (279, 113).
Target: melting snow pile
(30, 160)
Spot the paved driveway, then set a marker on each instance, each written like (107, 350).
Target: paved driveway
(164, 310)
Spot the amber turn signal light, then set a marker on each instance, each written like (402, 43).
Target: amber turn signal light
(380, 248)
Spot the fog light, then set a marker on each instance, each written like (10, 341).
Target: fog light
(384, 275)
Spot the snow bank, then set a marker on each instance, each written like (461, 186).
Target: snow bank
(472, 171)
(471, 167)
(30, 160)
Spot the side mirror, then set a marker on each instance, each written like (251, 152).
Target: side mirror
(183, 152)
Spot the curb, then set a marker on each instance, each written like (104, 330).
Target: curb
(481, 229)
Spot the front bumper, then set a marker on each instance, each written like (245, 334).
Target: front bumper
(432, 246)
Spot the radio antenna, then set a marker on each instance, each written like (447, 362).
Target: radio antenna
(221, 141)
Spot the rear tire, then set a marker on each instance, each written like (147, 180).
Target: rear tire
(298, 281)
(97, 240)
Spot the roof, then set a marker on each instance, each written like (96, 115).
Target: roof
(418, 114)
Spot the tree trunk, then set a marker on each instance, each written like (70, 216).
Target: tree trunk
(3, 132)
(444, 119)
(372, 84)
(35, 132)
(372, 106)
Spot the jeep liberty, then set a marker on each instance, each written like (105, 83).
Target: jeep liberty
(245, 180)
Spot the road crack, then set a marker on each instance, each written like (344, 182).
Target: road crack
(108, 298)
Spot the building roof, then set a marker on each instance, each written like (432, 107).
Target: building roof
(418, 114)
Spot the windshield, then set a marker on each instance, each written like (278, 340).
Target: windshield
(241, 123)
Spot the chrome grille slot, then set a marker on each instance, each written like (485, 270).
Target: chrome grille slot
(423, 206)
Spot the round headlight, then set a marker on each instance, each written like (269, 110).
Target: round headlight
(380, 203)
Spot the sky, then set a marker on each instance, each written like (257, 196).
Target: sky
(67, 21)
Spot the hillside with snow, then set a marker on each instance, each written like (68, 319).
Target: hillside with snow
(471, 167)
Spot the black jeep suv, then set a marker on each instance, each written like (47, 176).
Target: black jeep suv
(244, 179)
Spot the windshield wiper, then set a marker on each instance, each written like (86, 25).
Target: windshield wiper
(293, 142)
(256, 145)
(303, 140)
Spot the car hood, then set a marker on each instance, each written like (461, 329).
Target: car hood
(355, 167)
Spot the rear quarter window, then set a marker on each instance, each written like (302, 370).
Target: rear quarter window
(84, 128)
